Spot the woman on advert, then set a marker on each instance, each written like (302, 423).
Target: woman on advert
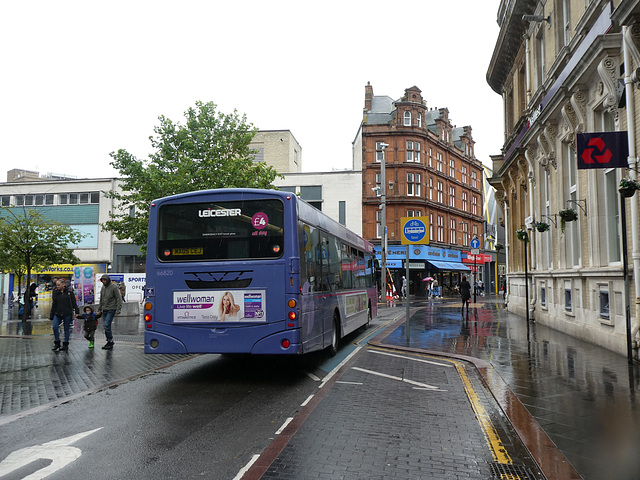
(228, 307)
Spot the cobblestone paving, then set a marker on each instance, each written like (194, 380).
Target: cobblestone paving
(376, 427)
(31, 375)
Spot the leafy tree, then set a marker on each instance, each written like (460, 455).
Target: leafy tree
(211, 150)
(30, 241)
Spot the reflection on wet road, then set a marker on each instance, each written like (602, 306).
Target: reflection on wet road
(584, 397)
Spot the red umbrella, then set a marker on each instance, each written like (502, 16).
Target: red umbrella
(427, 279)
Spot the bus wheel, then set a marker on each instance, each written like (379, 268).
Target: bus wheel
(335, 336)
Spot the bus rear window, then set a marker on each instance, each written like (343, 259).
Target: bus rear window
(232, 230)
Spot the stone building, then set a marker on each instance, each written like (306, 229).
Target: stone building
(561, 70)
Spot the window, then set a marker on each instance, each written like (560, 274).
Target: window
(452, 196)
(29, 200)
(439, 166)
(440, 192)
(543, 295)
(604, 304)
(430, 158)
(463, 175)
(414, 213)
(567, 299)
(39, 199)
(452, 168)
(452, 231)
(431, 225)
(474, 179)
(407, 119)
(611, 206)
(342, 212)
(413, 184)
(84, 198)
(440, 228)
(73, 198)
(539, 58)
(465, 233)
(571, 229)
(474, 205)
(413, 152)
(5, 200)
(379, 151)
(312, 194)
(430, 188)
(378, 187)
(63, 199)
(378, 224)
(419, 118)
(465, 202)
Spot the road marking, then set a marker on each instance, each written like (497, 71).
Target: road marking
(410, 382)
(246, 468)
(351, 383)
(335, 370)
(306, 401)
(312, 376)
(372, 350)
(59, 452)
(284, 425)
(496, 446)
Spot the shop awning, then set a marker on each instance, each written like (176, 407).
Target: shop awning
(449, 266)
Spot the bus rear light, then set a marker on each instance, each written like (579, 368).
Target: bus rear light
(275, 248)
(149, 325)
(147, 317)
(292, 315)
(166, 253)
(291, 303)
(286, 343)
(148, 306)
(291, 324)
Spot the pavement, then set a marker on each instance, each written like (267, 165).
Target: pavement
(441, 395)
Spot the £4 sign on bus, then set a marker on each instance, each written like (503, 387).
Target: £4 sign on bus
(415, 230)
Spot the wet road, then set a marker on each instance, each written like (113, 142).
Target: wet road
(584, 397)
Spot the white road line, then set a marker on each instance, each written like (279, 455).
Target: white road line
(350, 383)
(246, 468)
(312, 376)
(303, 404)
(284, 425)
(335, 370)
(412, 358)
(411, 382)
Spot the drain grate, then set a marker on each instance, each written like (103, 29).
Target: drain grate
(504, 471)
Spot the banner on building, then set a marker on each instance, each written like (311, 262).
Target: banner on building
(602, 150)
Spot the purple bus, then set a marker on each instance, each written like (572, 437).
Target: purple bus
(252, 271)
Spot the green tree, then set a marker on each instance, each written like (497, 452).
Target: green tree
(211, 150)
(29, 241)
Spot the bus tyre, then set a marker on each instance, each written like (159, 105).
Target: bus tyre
(335, 336)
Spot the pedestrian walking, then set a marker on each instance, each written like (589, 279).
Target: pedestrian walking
(63, 306)
(404, 287)
(465, 293)
(109, 306)
(90, 324)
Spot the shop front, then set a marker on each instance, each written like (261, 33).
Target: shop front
(426, 264)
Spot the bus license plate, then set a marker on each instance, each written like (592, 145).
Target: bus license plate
(187, 251)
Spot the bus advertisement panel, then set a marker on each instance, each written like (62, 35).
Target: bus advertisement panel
(252, 271)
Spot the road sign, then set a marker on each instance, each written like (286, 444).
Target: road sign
(414, 230)
(475, 243)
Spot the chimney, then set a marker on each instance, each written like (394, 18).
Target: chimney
(368, 97)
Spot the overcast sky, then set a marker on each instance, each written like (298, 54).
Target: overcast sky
(81, 79)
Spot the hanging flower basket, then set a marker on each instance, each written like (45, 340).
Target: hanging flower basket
(522, 235)
(568, 215)
(628, 187)
(498, 247)
(541, 226)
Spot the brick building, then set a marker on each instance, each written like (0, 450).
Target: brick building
(430, 171)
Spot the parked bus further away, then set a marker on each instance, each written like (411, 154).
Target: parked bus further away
(252, 271)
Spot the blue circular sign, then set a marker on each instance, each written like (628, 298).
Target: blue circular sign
(414, 230)
(475, 243)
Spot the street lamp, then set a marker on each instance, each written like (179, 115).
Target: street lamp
(383, 208)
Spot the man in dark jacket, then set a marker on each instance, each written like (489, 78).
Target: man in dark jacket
(109, 306)
(63, 306)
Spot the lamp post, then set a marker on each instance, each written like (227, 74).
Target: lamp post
(383, 215)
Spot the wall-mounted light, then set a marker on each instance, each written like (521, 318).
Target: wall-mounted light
(537, 19)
